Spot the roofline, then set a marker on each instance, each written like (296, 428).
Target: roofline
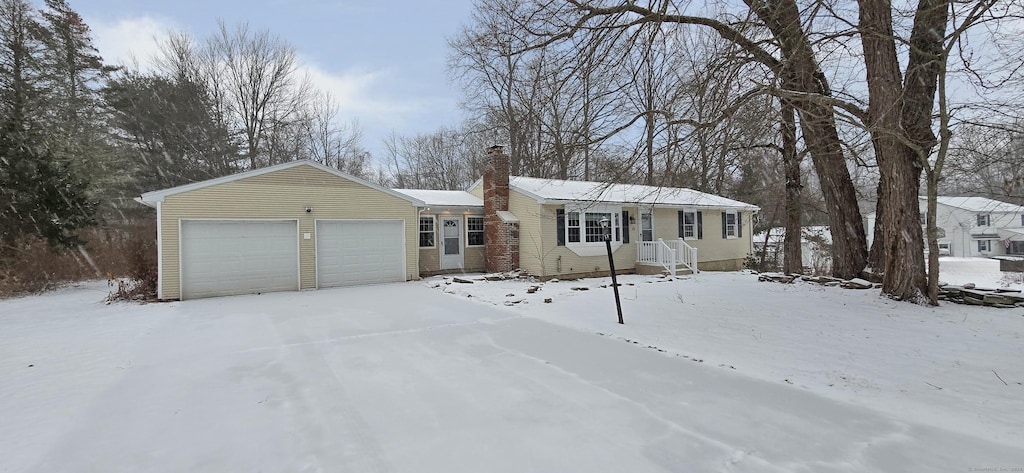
(546, 201)
(1019, 208)
(158, 196)
(147, 204)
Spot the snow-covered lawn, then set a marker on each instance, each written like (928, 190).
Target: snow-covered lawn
(403, 377)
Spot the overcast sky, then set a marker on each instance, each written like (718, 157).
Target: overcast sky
(384, 61)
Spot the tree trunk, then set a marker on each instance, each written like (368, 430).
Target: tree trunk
(792, 252)
(899, 118)
(817, 121)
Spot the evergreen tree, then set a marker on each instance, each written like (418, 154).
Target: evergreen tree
(169, 133)
(39, 196)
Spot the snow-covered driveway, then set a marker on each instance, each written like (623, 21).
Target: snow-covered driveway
(402, 377)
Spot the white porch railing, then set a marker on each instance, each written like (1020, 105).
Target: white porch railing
(668, 254)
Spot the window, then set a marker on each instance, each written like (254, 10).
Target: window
(944, 248)
(984, 246)
(689, 226)
(572, 224)
(984, 220)
(426, 232)
(582, 232)
(730, 225)
(924, 218)
(474, 231)
(594, 230)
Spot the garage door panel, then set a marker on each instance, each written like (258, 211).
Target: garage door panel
(238, 257)
(351, 252)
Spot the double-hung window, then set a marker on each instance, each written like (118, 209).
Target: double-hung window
(984, 246)
(594, 229)
(426, 232)
(474, 231)
(689, 224)
(984, 220)
(730, 224)
(572, 224)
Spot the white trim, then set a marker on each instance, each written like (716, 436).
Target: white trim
(418, 232)
(316, 241)
(158, 196)
(160, 251)
(298, 246)
(735, 225)
(696, 224)
(466, 223)
(640, 224)
(591, 248)
(440, 248)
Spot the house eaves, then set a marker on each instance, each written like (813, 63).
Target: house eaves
(151, 198)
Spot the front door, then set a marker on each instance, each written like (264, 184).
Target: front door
(451, 243)
(646, 226)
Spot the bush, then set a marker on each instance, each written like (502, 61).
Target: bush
(109, 252)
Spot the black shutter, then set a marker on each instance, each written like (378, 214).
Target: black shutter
(725, 230)
(560, 217)
(625, 226)
(700, 225)
(682, 221)
(739, 224)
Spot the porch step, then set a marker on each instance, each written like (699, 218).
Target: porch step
(650, 269)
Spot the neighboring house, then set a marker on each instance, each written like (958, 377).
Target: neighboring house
(302, 225)
(815, 247)
(973, 226)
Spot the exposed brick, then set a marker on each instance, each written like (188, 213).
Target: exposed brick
(501, 239)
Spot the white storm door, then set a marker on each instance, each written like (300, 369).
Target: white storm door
(228, 257)
(646, 226)
(451, 243)
(352, 252)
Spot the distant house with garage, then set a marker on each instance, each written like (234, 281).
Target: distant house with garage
(972, 226)
(301, 225)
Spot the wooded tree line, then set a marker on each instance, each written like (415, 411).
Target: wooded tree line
(790, 105)
(81, 138)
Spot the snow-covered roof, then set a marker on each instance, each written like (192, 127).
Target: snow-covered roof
(564, 191)
(507, 216)
(778, 235)
(979, 204)
(151, 198)
(443, 198)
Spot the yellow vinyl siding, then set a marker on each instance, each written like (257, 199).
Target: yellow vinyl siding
(712, 248)
(284, 194)
(571, 263)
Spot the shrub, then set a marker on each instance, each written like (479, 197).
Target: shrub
(126, 250)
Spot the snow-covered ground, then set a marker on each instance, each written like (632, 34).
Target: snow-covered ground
(983, 272)
(714, 373)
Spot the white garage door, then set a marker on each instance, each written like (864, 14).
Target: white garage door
(220, 258)
(350, 252)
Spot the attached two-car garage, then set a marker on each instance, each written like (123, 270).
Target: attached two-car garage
(294, 226)
(228, 257)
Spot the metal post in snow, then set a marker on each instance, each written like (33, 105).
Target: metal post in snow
(606, 224)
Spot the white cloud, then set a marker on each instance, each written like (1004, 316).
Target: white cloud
(128, 39)
(364, 94)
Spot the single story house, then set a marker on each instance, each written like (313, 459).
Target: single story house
(302, 225)
(972, 226)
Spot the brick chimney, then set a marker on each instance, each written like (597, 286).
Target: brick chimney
(501, 236)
